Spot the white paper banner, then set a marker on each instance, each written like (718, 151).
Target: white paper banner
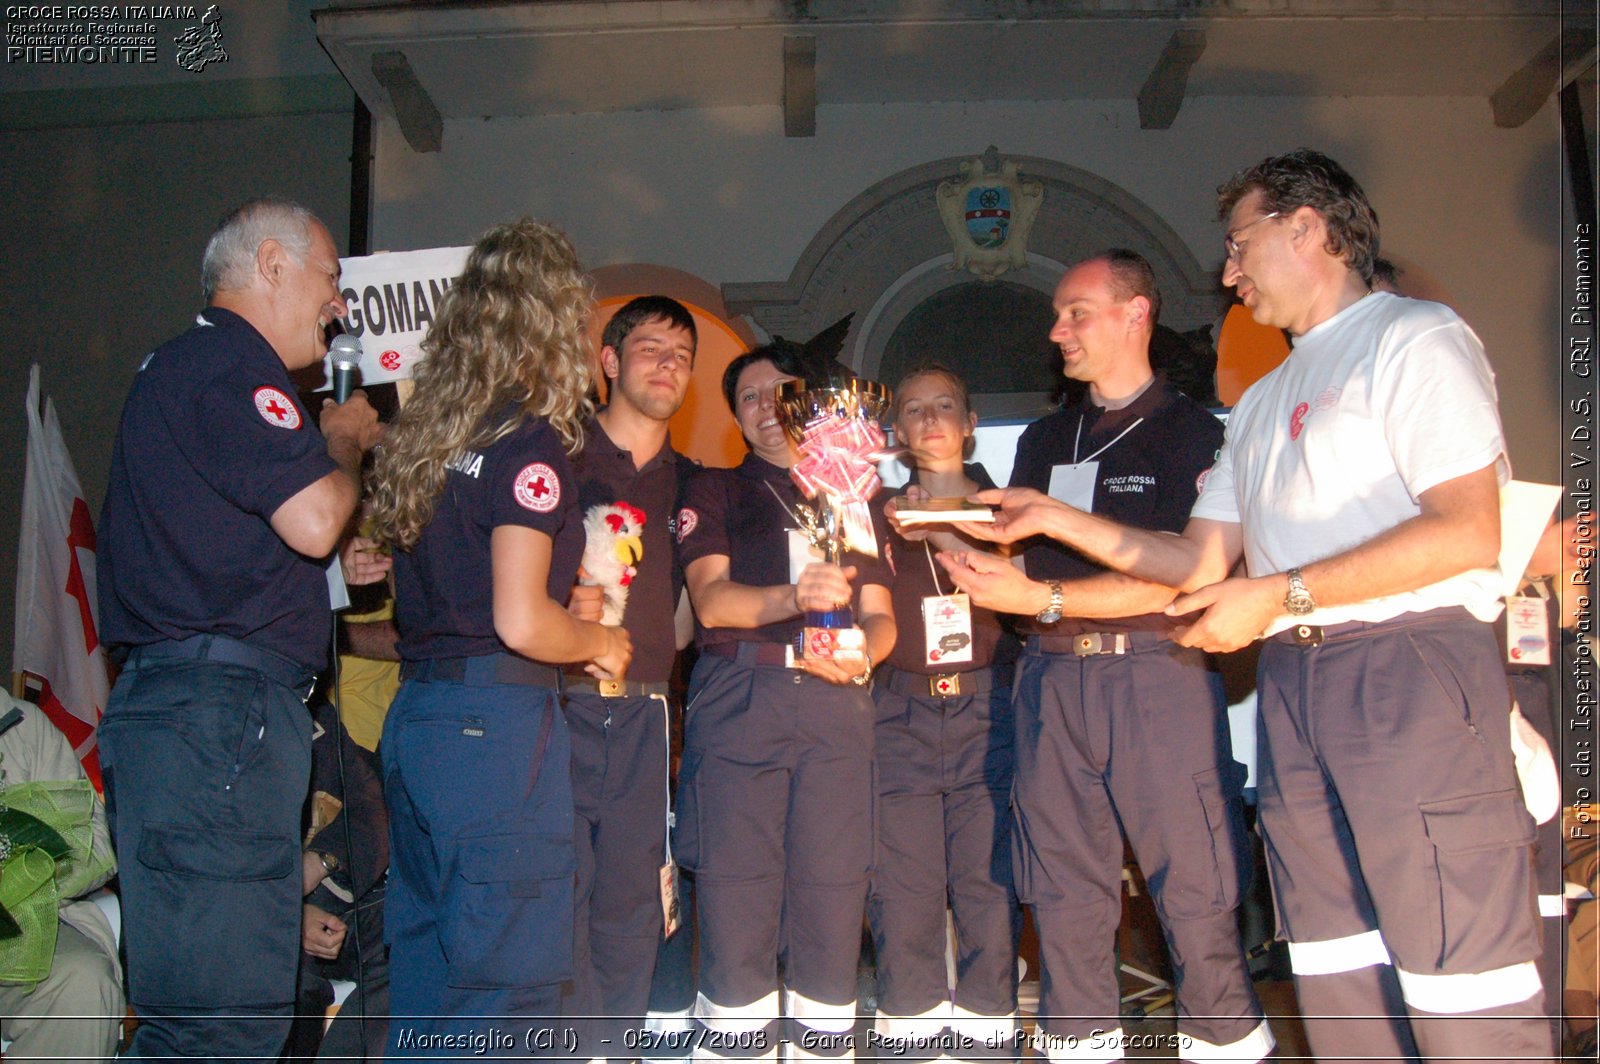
(393, 298)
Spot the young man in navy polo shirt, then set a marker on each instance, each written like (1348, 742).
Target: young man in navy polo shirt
(224, 503)
(1119, 729)
(619, 728)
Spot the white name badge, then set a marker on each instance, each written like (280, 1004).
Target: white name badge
(947, 628)
(1527, 630)
(338, 593)
(1074, 484)
(801, 553)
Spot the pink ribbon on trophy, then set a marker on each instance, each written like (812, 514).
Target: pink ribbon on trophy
(838, 458)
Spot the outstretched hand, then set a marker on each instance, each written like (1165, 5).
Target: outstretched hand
(994, 583)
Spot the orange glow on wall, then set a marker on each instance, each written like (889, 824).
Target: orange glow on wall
(703, 428)
(1246, 352)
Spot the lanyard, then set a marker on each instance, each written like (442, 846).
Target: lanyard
(1079, 437)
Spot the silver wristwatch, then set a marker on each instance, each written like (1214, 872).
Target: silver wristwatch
(1051, 613)
(1298, 602)
(864, 677)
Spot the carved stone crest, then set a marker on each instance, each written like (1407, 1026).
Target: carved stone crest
(988, 213)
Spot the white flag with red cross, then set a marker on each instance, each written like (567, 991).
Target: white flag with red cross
(57, 644)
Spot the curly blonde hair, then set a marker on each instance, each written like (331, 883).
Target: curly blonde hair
(511, 330)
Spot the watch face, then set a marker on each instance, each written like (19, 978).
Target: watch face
(1299, 602)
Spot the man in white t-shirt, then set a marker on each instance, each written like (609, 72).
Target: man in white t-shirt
(1359, 481)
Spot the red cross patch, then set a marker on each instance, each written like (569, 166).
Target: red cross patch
(687, 520)
(537, 488)
(276, 408)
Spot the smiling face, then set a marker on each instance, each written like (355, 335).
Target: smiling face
(1092, 327)
(651, 371)
(755, 408)
(306, 298)
(931, 419)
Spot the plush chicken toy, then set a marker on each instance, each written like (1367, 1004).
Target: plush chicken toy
(612, 549)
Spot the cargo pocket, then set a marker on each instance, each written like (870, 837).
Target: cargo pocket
(686, 814)
(507, 911)
(1477, 842)
(218, 902)
(1216, 880)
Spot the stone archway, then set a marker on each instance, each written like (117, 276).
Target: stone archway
(885, 256)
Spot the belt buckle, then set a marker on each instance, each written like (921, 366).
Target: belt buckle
(1306, 635)
(1088, 644)
(945, 684)
(610, 688)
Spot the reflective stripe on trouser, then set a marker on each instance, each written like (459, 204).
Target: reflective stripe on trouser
(775, 819)
(817, 1030)
(1393, 742)
(737, 1032)
(1531, 689)
(1173, 787)
(947, 1033)
(668, 1036)
(1099, 1045)
(478, 912)
(619, 798)
(944, 770)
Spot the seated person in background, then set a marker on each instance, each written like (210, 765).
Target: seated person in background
(75, 1011)
(344, 888)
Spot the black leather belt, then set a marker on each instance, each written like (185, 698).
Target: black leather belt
(936, 685)
(1312, 635)
(1093, 644)
(616, 688)
(220, 648)
(482, 671)
(750, 653)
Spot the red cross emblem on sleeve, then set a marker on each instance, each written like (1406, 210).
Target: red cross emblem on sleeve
(537, 488)
(276, 408)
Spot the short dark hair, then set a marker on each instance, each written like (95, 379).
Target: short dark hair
(786, 355)
(1307, 178)
(1384, 273)
(635, 312)
(1131, 275)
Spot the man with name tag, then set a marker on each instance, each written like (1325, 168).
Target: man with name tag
(619, 728)
(1115, 723)
(1359, 481)
(224, 504)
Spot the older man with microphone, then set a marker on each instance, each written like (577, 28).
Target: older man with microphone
(225, 502)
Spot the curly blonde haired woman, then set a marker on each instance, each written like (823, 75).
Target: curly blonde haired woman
(474, 492)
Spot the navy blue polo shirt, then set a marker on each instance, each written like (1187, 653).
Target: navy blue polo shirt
(1148, 479)
(606, 474)
(738, 513)
(211, 442)
(914, 579)
(444, 585)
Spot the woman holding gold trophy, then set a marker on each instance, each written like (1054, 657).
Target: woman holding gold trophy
(775, 795)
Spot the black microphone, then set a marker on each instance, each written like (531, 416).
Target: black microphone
(345, 354)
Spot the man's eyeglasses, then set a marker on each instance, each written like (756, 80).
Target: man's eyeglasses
(1232, 246)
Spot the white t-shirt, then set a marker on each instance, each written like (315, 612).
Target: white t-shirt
(1384, 400)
